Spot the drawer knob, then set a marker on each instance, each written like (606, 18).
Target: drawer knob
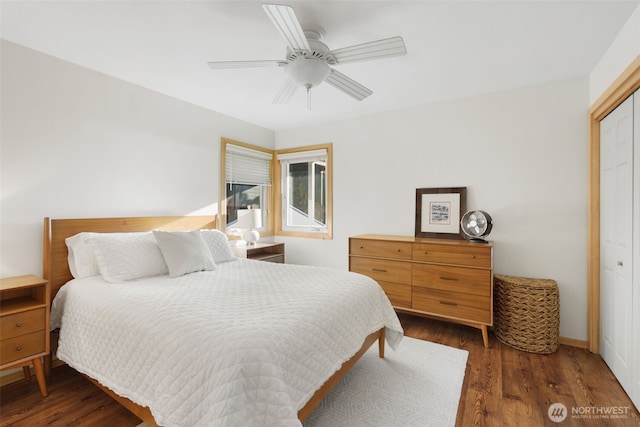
(18, 348)
(379, 270)
(361, 247)
(18, 325)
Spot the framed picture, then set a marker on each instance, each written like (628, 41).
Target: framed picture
(439, 210)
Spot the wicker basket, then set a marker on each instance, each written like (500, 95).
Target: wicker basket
(527, 313)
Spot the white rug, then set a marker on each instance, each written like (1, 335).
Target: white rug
(418, 385)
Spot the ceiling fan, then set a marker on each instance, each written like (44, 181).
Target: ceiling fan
(308, 60)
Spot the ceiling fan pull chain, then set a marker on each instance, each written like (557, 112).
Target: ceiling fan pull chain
(308, 97)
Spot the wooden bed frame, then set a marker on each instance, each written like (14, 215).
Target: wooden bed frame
(56, 271)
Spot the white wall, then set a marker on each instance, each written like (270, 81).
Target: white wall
(624, 49)
(77, 143)
(522, 155)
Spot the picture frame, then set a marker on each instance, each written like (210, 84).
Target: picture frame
(438, 212)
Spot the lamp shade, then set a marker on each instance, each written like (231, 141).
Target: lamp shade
(308, 72)
(249, 218)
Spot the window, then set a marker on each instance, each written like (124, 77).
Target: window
(300, 201)
(247, 180)
(304, 188)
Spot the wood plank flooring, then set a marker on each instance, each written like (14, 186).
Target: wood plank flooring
(502, 387)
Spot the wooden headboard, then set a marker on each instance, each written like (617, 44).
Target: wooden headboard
(55, 265)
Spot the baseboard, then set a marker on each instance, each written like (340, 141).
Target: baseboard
(11, 376)
(573, 342)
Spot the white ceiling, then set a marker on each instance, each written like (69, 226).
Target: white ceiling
(455, 48)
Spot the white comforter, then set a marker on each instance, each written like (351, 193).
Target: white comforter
(245, 345)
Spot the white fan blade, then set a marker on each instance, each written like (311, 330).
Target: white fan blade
(347, 85)
(221, 65)
(284, 18)
(385, 48)
(286, 92)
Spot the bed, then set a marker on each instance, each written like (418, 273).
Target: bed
(233, 342)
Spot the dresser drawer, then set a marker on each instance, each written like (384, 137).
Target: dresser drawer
(398, 294)
(22, 323)
(382, 270)
(474, 256)
(380, 248)
(446, 303)
(456, 279)
(16, 348)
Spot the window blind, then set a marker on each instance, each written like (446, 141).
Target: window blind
(303, 156)
(246, 166)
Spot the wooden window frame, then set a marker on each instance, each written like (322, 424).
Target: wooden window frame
(268, 227)
(277, 183)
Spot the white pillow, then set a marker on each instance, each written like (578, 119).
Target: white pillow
(82, 258)
(184, 252)
(128, 256)
(218, 244)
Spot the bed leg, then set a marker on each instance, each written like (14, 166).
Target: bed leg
(381, 344)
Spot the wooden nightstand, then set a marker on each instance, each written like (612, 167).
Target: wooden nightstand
(271, 252)
(24, 325)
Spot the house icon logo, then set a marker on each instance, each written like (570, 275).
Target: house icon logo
(557, 412)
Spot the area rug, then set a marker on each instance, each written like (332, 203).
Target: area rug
(417, 385)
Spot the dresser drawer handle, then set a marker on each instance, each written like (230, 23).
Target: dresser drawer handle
(448, 303)
(451, 279)
(18, 325)
(379, 270)
(18, 348)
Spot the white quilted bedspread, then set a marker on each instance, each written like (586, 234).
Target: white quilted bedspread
(245, 345)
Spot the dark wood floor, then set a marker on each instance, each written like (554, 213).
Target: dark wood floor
(502, 387)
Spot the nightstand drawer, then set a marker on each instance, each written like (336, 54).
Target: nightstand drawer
(22, 323)
(21, 347)
(382, 269)
(473, 256)
(270, 252)
(384, 249)
(457, 279)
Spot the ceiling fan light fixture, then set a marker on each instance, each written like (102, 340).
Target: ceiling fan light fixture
(308, 72)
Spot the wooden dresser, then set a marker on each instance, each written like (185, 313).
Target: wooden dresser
(443, 278)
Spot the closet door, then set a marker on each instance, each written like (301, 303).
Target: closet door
(618, 340)
(634, 393)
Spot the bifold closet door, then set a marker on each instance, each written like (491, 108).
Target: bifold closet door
(634, 393)
(619, 325)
